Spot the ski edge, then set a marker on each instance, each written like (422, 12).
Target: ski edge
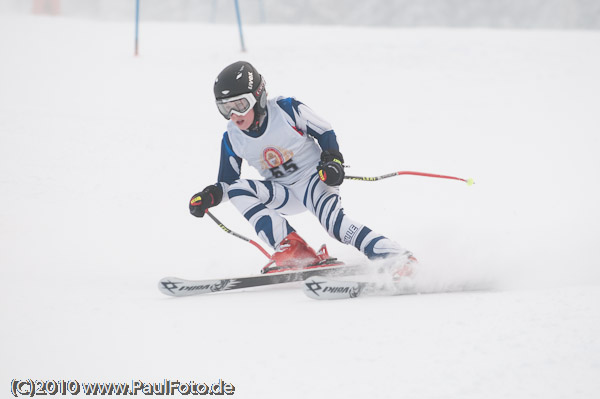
(324, 288)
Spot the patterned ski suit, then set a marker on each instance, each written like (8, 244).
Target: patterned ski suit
(285, 153)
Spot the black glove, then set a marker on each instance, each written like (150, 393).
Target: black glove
(207, 198)
(331, 168)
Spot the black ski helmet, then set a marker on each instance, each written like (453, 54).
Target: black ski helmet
(241, 78)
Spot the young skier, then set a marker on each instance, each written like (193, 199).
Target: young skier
(298, 155)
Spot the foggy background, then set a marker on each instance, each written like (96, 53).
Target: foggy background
(100, 152)
(522, 14)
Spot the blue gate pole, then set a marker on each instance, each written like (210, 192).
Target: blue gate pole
(261, 7)
(213, 11)
(239, 20)
(137, 24)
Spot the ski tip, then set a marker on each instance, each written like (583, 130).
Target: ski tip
(322, 288)
(168, 285)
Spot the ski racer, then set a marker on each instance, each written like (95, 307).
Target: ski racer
(297, 153)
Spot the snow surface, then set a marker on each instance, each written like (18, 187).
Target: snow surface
(100, 152)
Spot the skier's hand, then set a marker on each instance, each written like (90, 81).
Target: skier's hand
(207, 198)
(331, 168)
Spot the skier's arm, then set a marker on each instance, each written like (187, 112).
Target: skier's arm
(230, 167)
(331, 166)
(231, 164)
(308, 122)
(213, 195)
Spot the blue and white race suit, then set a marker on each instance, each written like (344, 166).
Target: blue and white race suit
(286, 150)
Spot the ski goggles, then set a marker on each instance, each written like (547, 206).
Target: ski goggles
(239, 105)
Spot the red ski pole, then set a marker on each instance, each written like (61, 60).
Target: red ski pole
(469, 181)
(222, 226)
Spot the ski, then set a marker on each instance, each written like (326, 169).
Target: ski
(174, 286)
(323, 288)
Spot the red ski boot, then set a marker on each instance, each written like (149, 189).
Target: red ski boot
(294, 253)
(406, 268)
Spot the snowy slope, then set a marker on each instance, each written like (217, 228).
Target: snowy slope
(100, 152)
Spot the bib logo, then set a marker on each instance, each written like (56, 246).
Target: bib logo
(274, 157)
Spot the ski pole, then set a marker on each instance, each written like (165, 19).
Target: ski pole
(222, 226)
(469, 181)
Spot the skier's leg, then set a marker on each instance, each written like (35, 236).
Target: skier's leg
(262, 203)
(325, 203)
